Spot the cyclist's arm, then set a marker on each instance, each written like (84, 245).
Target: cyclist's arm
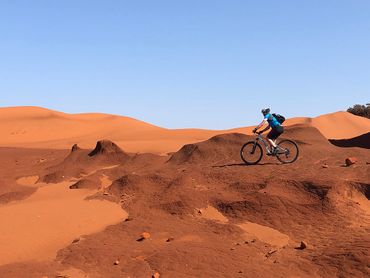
(261, 124)
(267, 128)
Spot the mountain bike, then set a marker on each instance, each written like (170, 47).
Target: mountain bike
(286, 151)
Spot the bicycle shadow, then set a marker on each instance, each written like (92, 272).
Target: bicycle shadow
(245, 165)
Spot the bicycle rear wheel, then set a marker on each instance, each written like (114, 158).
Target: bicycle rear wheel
(287, 151)
(251, 153)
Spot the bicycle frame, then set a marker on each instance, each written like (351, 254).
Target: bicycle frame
(264, 141)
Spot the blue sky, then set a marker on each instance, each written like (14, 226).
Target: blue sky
(190, 63)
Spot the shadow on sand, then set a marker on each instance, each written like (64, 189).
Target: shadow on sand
(246, 165)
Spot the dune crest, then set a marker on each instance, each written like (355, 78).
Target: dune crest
(35, 127)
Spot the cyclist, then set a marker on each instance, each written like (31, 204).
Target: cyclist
(276, 129)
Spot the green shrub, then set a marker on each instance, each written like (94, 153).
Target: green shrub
(360, 110)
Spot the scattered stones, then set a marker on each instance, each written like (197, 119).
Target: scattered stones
(302, 246)
(144, 236)
(155, 275)
(117, 262)
(350, 161)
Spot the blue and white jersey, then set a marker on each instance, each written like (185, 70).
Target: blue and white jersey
(273, 122)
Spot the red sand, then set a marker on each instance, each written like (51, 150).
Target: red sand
(208, 215)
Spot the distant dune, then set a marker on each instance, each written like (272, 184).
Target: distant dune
(35, 127)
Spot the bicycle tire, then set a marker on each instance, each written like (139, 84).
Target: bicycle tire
(282, 156)
(244, 149)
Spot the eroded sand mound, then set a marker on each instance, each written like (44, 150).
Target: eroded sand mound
(218, 149)
(81, 162)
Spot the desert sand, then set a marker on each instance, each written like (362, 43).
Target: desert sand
(81, 211)
(35, 127)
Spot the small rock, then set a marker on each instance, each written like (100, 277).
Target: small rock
(155, 275)
(350, 161)
(232, 249)
(143, 236)
(246, 242)
(116, 262)
(170, 239)
(240, 271)
(128, 219)
(325, 166)
(302, 246)
(105, 193)
(76, 240)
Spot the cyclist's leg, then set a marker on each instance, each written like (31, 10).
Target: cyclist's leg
(278, 131)
(270, 139)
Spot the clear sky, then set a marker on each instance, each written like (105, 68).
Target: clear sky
(186, 63)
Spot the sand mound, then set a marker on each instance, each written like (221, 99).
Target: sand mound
(84, 162)
(106, 147)
(225, 148)
(219, 149)
(305, 135)
(362, 141)
(341, 125)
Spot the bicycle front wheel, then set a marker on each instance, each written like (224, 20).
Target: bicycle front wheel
(287, 151)
(251, 153)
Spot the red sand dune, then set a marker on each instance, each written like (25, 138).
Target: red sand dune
(35, 127)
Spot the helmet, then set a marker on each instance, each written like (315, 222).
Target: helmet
(265, 111)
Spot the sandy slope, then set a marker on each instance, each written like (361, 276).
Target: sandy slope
(208, 215)
(36, 228)
(35, 127)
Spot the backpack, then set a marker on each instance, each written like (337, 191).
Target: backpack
(279, 118)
